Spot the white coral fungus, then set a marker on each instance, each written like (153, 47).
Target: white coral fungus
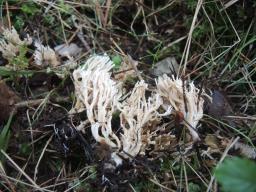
(45, 56)
(98, 94)
(11, 42)
(181, 95)
(136, 112)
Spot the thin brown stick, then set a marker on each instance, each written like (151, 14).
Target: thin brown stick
(35, 102)
(134, 65)
(105, 19)
(40, 158)
(8, 15)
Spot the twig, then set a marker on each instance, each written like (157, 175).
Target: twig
(8, 15)
(40, 158)
(185, 175)
(228, 4)
(15, 180)
(160, 185)
(81, 181)
(242, 117)
(28, 103)
(197, 174)
(108, 4)
(35, 102)
(99, 13)
(134, 65)
(31, 133)
(62, 27)
(80, 35)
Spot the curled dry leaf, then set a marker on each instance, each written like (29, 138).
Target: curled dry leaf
(219, 107)
(212, 141)
(69, 51)
(216, 144)
(246, 150)
(164, 142)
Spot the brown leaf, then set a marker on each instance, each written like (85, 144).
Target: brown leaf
(8, 99)
(212, 141)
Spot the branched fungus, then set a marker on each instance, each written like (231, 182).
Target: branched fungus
(98, 94)
(183, 97)
(136, 112)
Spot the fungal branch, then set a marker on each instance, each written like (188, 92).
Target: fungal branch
(136, 112)
(184, 99)
(98, 94)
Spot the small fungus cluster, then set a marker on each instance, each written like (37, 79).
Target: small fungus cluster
(11, 46)
(10, 43)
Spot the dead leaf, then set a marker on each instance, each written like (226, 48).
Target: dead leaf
(219, 107)
(8, 99)
(165, 142)
(68, 51)
(212, 141)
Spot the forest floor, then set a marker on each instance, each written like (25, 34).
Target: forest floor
(209, 42)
